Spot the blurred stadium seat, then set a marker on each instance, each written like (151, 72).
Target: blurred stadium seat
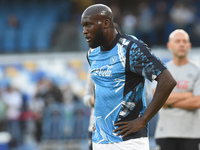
(37, 21)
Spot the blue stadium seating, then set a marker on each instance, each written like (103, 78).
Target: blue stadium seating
(37, 21)
(54, 122)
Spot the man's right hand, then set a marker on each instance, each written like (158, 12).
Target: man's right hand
(92, 101)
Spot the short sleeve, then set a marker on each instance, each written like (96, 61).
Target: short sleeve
(196, 88)
(144, 62)
(88, 90)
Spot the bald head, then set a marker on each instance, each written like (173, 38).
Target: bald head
(178, 31)
(98, 10)
(98, 26)
(179, 44)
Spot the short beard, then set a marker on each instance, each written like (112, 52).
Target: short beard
(99, 39)
(181, 56)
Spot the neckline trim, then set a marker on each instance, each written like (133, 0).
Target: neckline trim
(114, 42)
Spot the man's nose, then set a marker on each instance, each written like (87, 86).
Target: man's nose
(84, 30)
(182, 43)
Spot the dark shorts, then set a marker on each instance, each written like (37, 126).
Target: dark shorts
(90, 141)
(178, 144)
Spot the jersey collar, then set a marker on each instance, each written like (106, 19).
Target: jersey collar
(114, 42)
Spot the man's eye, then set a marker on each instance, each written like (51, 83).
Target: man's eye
(88, 25)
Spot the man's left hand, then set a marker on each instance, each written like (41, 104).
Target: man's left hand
(127, 127)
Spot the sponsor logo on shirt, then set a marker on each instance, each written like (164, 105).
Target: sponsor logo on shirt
(104, 71)
(182, 84)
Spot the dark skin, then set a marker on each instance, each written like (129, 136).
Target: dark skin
(98, 26)
(97, 22)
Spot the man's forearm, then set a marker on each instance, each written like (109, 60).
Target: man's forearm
(165, 85)
(189, 103)
(175, 97)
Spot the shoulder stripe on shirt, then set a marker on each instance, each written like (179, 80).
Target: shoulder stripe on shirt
(127, 56)
(147, 52)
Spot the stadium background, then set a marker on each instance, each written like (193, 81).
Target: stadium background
(42, 39)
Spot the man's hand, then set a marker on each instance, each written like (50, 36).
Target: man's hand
(93, 127)
(92, 101)
(128, 127)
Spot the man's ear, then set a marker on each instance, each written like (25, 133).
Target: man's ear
(168, 46)
(106, 23)
(190, 45)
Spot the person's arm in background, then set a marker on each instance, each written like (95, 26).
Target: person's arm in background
(175, 97)
(191, 103)
(186, 100)
(88, 98)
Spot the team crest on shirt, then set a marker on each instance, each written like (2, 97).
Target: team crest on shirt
(113, 59)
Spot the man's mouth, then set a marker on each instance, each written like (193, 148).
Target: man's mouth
(88, 39)
(181, 50)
